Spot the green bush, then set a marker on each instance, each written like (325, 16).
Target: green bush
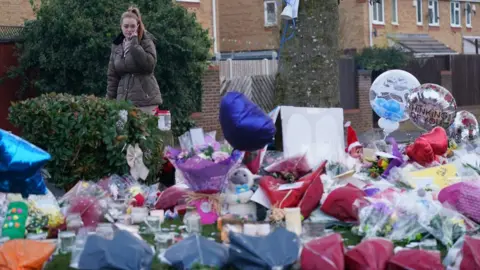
(85, 135)
(379, 58)
(68, 48)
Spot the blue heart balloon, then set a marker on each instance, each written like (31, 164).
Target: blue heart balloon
(20, 165)
(245, 126)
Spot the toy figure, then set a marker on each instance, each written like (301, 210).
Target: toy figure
(238, 194)
(354, 149)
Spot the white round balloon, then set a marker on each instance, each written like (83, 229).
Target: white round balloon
(389, 94)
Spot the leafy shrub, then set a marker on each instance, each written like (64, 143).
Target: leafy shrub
(379, 58)
(85, 135)
(68, 47)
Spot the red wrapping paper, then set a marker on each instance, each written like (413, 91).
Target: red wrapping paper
(283, 198)
(313, 195)
(339, 203)
(325, 253)
(416, 259)
(471, 253)
(371, 254)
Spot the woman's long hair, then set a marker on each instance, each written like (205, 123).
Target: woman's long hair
(134, 13)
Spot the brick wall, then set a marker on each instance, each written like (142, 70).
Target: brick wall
(208, 117)
(15, 12)
(204, 12)
(242, 26)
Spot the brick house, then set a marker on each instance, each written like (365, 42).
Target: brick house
(448, 24)
(15, 12)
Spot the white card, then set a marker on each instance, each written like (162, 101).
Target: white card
(290, 186)
(198, 137)
(261, 198)
(423, 182)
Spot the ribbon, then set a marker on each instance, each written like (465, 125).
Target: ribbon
(242, 188)
(213, 199)
(135, 161)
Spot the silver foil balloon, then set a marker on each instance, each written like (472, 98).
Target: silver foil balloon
(464, 128)
(431, 105)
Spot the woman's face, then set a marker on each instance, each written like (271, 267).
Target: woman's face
(129, 26)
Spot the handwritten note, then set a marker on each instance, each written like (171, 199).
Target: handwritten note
(442, 176)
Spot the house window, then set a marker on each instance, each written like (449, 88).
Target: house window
(455, 13)
(433, 15)
(378, 14)
(270, 12)
(419, 12)
(468, 14)
(394, 11)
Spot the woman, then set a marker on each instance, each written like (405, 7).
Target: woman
(132, 62)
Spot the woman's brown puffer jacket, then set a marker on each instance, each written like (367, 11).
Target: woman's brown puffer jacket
(131, 75)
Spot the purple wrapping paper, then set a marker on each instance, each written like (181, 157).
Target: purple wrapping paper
(202, 175)
(394, 162)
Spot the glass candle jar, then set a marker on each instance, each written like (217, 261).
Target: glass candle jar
(193, 223)
(74, 222)
(67, 241)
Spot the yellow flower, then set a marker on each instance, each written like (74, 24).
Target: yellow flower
(384, 164)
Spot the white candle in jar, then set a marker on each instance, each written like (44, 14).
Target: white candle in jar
(158, 213)
(263, 229)
(250, 229)
(293, 220)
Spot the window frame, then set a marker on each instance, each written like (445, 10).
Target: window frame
(395, 12)
(453, 11)
(468, 15)
(265, 11)
(419, 9)
(431, 6)
(375, 6)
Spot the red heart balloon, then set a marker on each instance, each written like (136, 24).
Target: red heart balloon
(421, 152)
(438, 139)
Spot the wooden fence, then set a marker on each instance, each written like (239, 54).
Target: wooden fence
(347, 83)
(241, 68)
(465, 79)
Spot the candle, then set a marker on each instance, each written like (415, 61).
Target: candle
(263, 229)
(250, 229)
(158, 213)
(293, 220)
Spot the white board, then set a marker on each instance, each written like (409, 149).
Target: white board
(318, 132)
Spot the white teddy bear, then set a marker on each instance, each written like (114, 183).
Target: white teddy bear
(237, 196)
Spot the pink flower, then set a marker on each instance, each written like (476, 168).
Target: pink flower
(220, 156)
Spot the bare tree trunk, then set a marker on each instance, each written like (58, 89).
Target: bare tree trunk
(308, 69)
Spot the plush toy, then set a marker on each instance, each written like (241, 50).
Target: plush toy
(238, 194)
(354, 149)
(15, 220)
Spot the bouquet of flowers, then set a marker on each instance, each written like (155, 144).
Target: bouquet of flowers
(205, 169)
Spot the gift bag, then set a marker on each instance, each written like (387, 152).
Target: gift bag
(15, 221)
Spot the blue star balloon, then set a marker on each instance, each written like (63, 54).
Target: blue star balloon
(20, 165)
(245, 126)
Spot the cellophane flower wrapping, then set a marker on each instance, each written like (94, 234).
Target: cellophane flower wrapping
(87, 199)
(408, 217)
(205, 168)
